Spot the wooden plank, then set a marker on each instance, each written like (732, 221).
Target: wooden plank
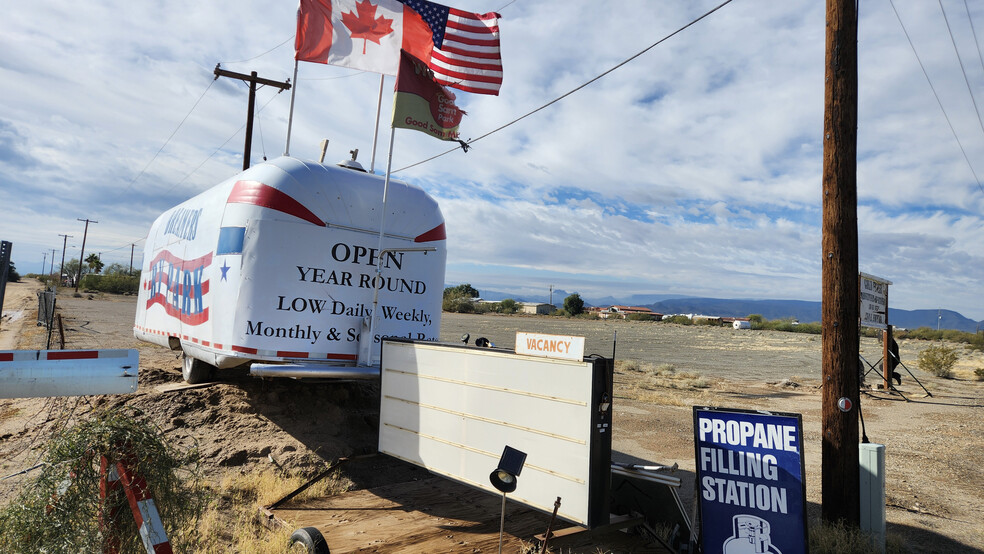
(430, 515)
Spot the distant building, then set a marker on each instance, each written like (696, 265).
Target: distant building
(624, 311)
(537, 308)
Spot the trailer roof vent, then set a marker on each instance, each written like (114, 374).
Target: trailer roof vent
(352, 164)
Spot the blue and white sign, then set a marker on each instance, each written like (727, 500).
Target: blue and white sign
(750, 475)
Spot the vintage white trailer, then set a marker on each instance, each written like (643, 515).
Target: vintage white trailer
(281, 266)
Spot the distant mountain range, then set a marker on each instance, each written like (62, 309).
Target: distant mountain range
(801, 310)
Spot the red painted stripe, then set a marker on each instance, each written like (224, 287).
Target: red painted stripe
(6, 357)
(243, 349)
(205, 343)
(218, 345)
(349, 357)
(289, 354)
(258, 194)
(437, 233)
(73, 354)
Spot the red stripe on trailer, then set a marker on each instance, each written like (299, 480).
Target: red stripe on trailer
(243, 349)
(437, 233)
(6, 356)
(72, 354)
(289, 354)
(259, 194)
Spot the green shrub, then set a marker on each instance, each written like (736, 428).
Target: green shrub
(459, 304)
(681, 319)
(60, 511)
(938, 360)
(116, 283)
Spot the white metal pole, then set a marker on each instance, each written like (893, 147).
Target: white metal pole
(375, 129)
(379, 259)
(290, 116)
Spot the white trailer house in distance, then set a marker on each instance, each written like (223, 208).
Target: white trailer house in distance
(281, 267)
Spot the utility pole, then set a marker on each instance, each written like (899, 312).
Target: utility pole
(132, 245)
(252, 79)
(52, 268)
(840, 312)
(61, 270)
(78, 278)
(44, 261)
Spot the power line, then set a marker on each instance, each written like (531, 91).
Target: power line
(572, 91)
(161, 149)
(938, 101)
(974, 32)
(290, 38)
(962, 70)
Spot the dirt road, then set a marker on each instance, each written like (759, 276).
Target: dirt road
(933, 443)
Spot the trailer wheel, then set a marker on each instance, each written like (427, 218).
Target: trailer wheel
(195, 371)
(311, 539)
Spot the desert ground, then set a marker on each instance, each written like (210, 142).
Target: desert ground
(935, 488)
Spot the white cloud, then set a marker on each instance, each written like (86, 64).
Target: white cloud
(694, 169)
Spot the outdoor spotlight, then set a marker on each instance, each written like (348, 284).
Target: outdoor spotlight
(504, 476)
(606, 402)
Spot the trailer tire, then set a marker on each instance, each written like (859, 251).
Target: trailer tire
(195, 371)
(311, 538)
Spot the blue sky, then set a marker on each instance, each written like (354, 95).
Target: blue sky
(694, 169)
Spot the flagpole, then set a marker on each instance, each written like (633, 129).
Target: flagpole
(379, 259)
(375, 129)
(290, 117)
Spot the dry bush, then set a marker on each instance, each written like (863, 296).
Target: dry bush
(230, 522)
(826, 538)
(938, 360)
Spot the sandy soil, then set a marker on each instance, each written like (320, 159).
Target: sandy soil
(934, 452)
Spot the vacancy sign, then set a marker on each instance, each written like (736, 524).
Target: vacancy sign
(874, 300)
(550, 346)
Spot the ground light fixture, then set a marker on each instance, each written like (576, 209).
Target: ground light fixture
(504, 478)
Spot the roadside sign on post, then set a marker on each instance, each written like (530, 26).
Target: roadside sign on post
(750, 474)
(873, 295)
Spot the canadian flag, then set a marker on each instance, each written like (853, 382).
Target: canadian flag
(361, 34)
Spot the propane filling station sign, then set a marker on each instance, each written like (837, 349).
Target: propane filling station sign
(750, 475)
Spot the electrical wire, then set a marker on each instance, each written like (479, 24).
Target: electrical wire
(161, 149)
(974, 32)
(265, 53)
(572, 91)
(938, 101)
(962, 70)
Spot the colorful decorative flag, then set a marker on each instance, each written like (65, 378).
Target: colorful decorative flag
(421, 103)
(462, 48)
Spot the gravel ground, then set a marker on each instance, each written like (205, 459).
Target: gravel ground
(933, 443)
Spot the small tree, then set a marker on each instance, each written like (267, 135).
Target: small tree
(12, 275)
(573, 304)
(94, 263)
(938, 360)
(465, 290)
(509, 306)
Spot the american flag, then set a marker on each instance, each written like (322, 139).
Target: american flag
(466, 47)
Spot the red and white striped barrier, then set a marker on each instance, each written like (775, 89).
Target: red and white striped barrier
(41, 373)
(145, 513)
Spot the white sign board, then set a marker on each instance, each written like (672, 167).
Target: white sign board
(874, 301)
(452, 409)
(550, 346)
